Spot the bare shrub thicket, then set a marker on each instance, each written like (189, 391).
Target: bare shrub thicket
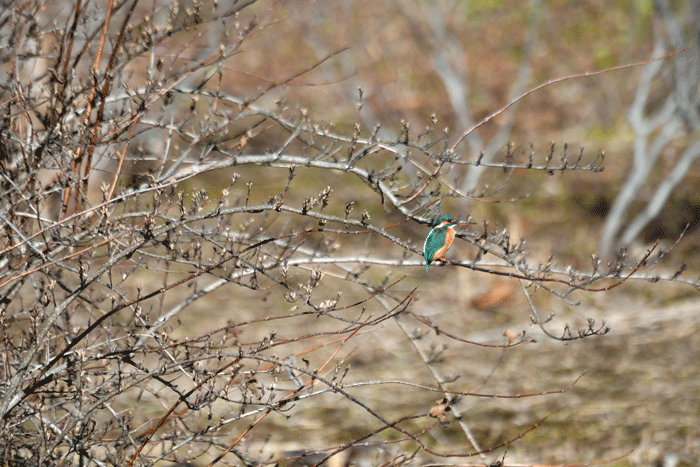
(189, 262)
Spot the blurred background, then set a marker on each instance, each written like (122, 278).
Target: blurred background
(474, 73)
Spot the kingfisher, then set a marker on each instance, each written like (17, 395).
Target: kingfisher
(440, 238)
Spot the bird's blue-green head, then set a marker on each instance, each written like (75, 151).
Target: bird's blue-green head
(446, 218)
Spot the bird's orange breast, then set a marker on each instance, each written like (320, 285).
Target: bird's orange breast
(449, 238)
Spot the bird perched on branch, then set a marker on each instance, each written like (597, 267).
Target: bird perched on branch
(440, 238)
